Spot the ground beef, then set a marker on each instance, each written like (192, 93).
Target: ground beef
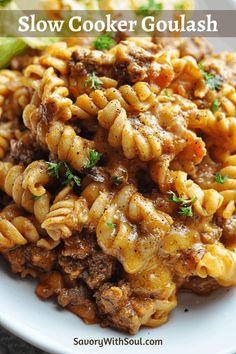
(77, 301)
(132, 63)
(229, 228)
(98, 269)
(129, 63)
(115, 307)
(31, 256)
(205, 172)
(73, 267)
(85, 61)
(25, 150)
(81, 258)
(17, 259)
(78, 247)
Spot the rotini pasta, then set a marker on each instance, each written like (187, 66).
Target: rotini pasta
(119, 237)
(16, 228)
(138, 97)
(12, 180)
(6, 134)
(219, 263)
(60, 139)
(68, 213)
(117, 174)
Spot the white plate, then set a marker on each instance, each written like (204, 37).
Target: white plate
(208, 327)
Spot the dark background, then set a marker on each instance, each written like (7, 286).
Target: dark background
(10, 344)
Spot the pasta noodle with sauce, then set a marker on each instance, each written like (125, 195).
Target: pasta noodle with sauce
(117, 174)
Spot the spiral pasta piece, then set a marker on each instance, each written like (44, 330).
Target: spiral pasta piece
(55, 56)
(16, 229)
(123, 299)
(219, 263)
(138, 97)
(148, 136)
(222, 100)
(68, 213)
(14, 96)
(6, 134)
(35, 177)
(11, 182)
(54, 96)
(207, 201)
(216, 126)
(228, 205)
(5, 78)
(155, 281)
(127, 225)
(60, 139)
(187, 77)
(139, 141)
(228, 186)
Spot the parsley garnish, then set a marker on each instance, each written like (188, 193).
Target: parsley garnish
(215, 106)
(214, 82)
(93, 81)
(94, 157)
(149, 8)
(117, 180)
(70, 177)
(168, 95)
(54, 170)
(37, 197)
(176, 199)
(104, 42)
(184, 209)
(220, 179)
(111, 225)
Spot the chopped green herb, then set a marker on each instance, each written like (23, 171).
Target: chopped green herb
(214, 82)
(105, 41)
(37, 197)
(93, 81)
(220, 179)
(149, 8)
(111, 225)
(94, 157)
(174, 198)
(186, 210)
(215, 106)
(70, 177)
(117, 180)
(179, 6)
(54, 169)
(168, 95)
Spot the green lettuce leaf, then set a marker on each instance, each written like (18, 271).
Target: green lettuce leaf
(4, 3)
(9, 47)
